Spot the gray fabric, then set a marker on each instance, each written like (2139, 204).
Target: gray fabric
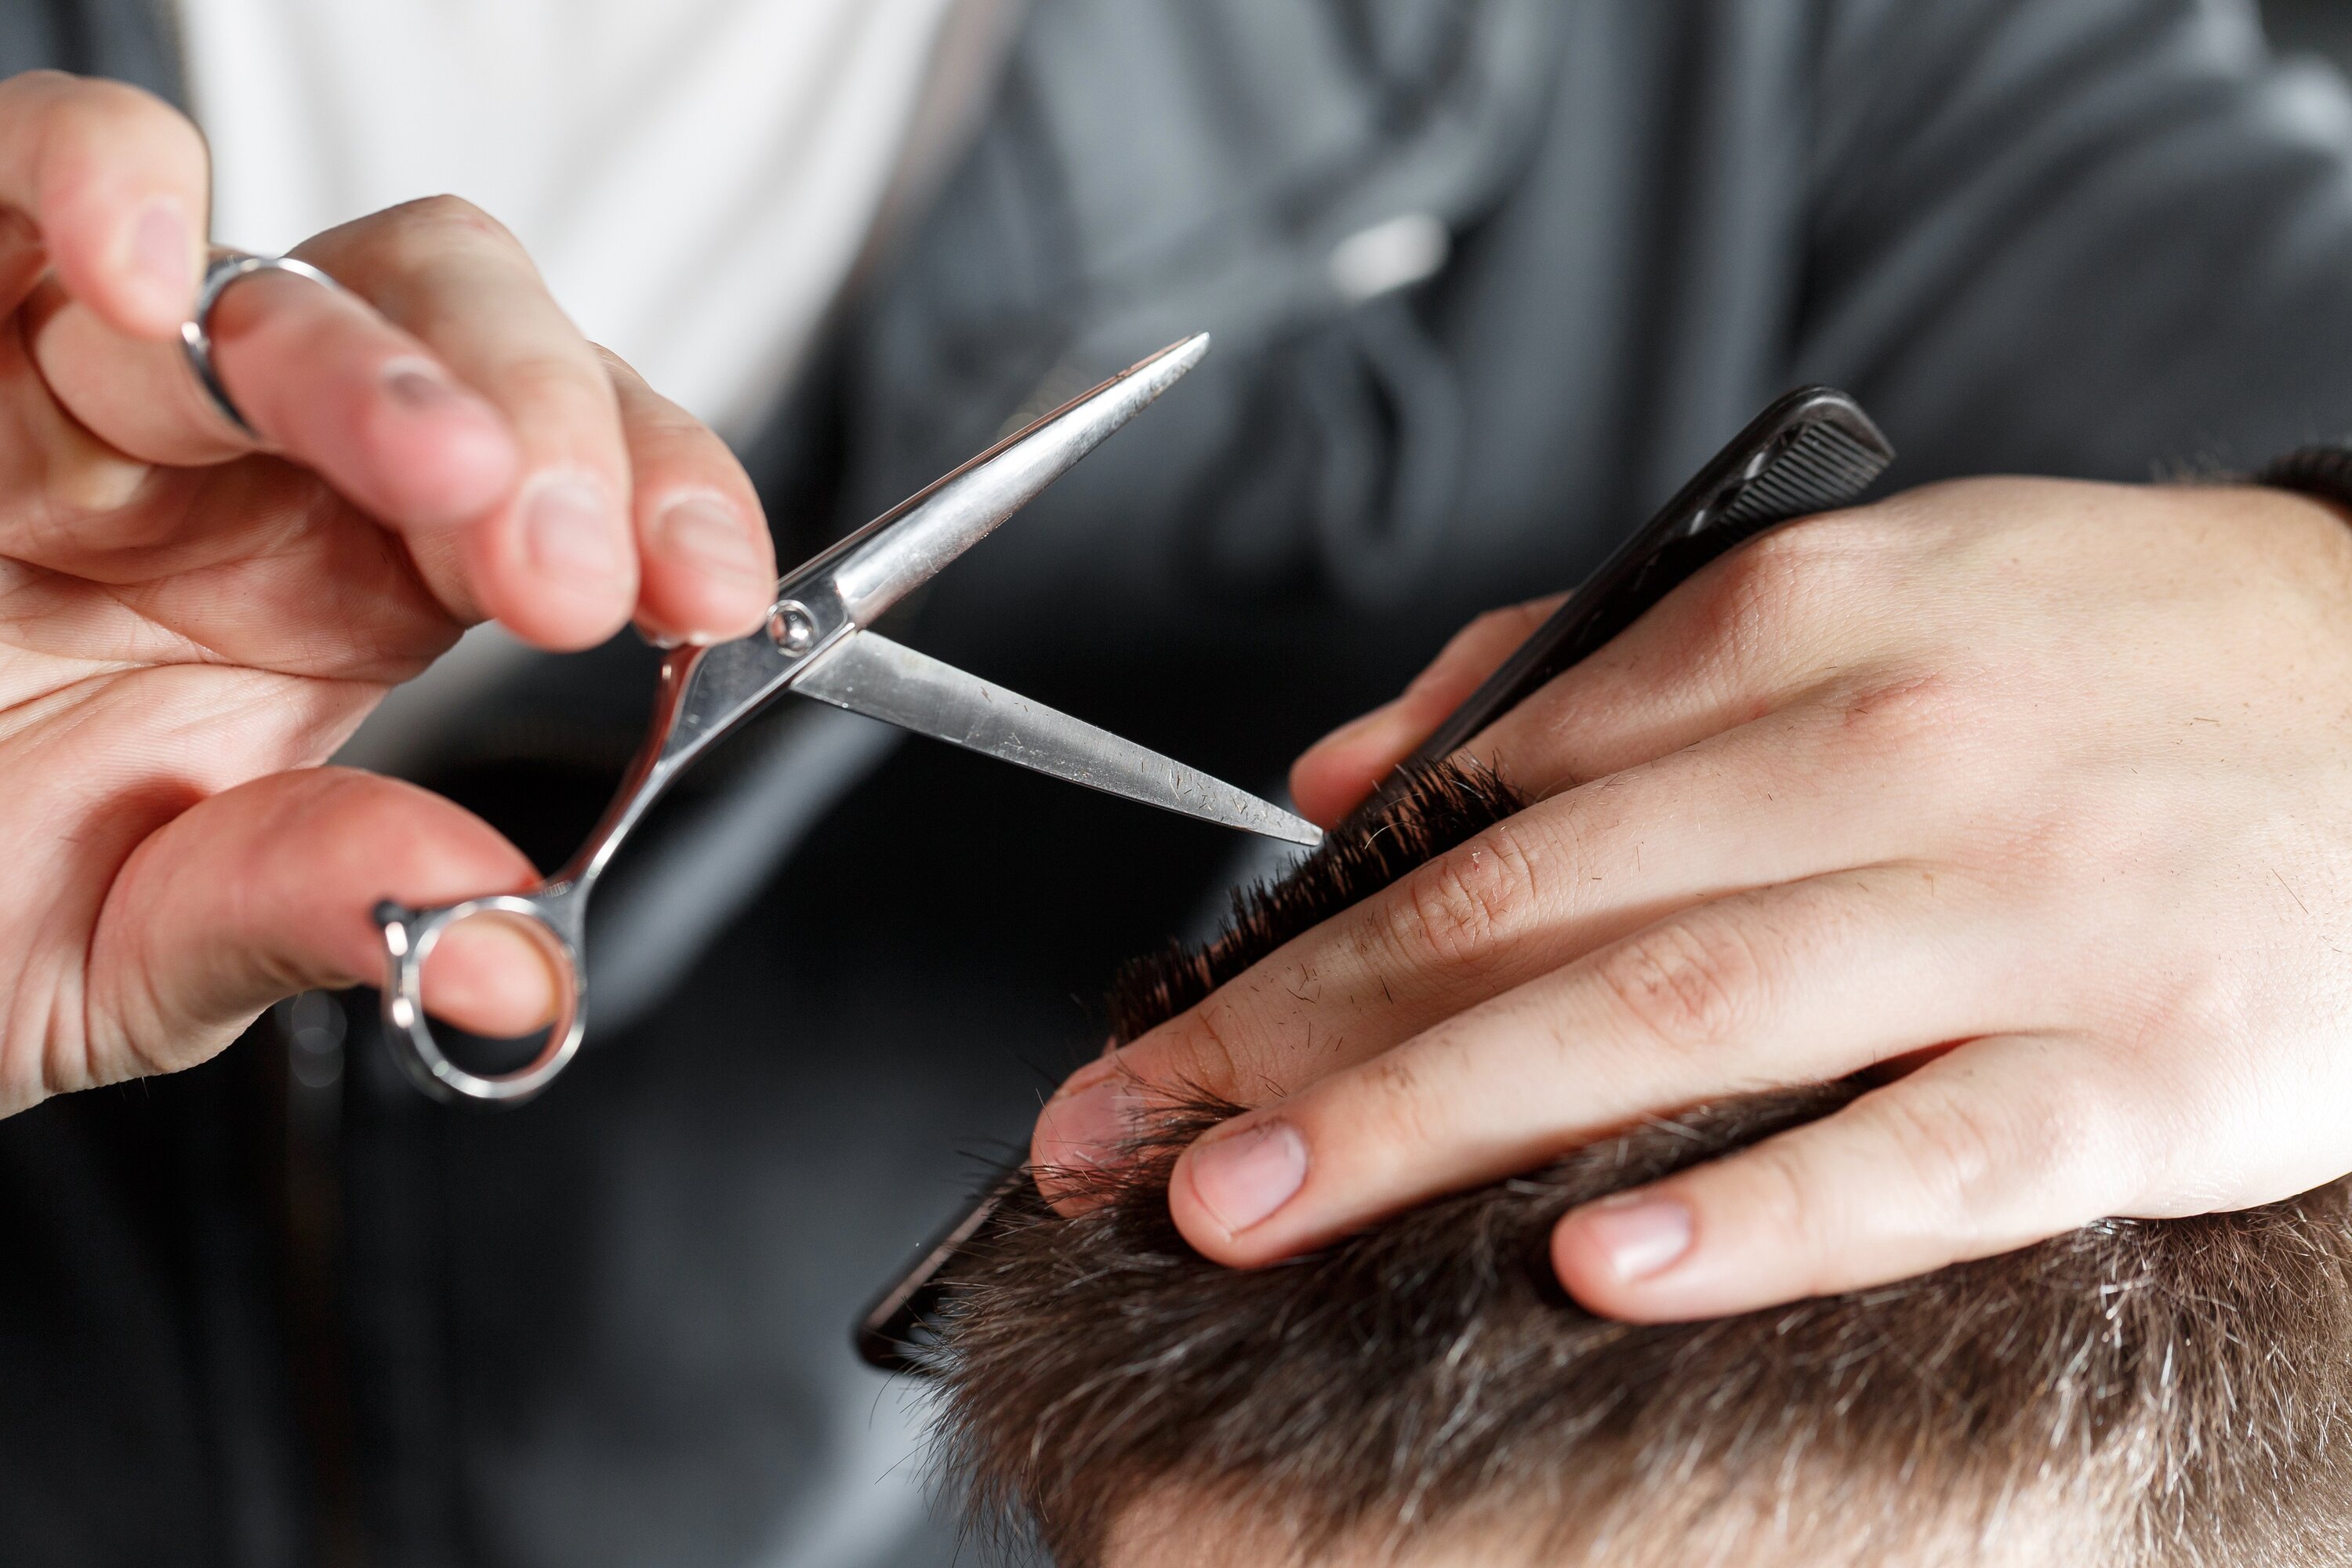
(2098, 237)
(2318, 26)
(2084, 236)
(129, 40)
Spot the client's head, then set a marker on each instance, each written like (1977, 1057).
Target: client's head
(1423, 1393)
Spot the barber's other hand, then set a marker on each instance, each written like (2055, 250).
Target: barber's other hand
(2035, 798)
(193, 620)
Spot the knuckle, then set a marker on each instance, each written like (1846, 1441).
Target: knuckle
(1461, 909)
(1198, 1056)
(659, 423)
(1903, 709)
(1765, 582)
(1790, 1203)
(2055, 845)
(2064, 1131)
(557, 384)
(1769, 590)
(1780, 1198)
(621, 371)
(414, 259)
(653, 419)
(1962, 1156)
(1392, 1106)
(1692, 983)
(2200, 996)
(678, 450)
(447, 215)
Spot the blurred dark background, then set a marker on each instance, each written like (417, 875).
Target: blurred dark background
(2324, 26)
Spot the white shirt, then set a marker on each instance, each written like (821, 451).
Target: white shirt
(694, 177)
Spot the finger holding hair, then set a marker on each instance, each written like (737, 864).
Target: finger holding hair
(2003, 1142)
(1793, 983)
(1798, 795)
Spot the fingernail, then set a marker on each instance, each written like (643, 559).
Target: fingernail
(571, 534)
(162, 254)
(1085, 1128)
(420, 387)
(706, 535)
(1641, 1237)
(1243, 1177)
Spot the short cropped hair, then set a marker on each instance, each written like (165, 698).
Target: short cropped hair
(2132, 1394)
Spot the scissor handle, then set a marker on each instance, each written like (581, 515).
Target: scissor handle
(554, 913)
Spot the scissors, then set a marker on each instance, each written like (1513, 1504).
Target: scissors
(1810, 450)
(818, 641)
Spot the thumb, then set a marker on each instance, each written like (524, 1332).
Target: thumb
(267, 889)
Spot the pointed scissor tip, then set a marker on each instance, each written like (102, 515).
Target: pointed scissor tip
(1177, 357)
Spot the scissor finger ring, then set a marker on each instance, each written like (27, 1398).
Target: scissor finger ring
(554, 918)
(196, 332)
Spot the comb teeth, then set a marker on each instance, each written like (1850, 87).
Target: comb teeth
(1822, 469)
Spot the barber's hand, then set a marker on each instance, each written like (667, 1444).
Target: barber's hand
(2040, 791)
(191, 622)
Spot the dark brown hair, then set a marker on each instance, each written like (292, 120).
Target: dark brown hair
(2133, 1394)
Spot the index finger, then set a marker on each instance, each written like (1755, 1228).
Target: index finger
(1797, 983)
(116, 183)
(1537, 891)
(555, 561)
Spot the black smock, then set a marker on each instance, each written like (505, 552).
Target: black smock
(250, 1316)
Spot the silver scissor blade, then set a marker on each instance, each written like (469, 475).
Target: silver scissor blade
(898, 551)
(871, 675)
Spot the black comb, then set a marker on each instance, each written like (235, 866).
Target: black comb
(896, 1326)
(1813, 451)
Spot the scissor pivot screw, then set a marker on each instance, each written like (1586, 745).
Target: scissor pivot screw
(791, 628)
